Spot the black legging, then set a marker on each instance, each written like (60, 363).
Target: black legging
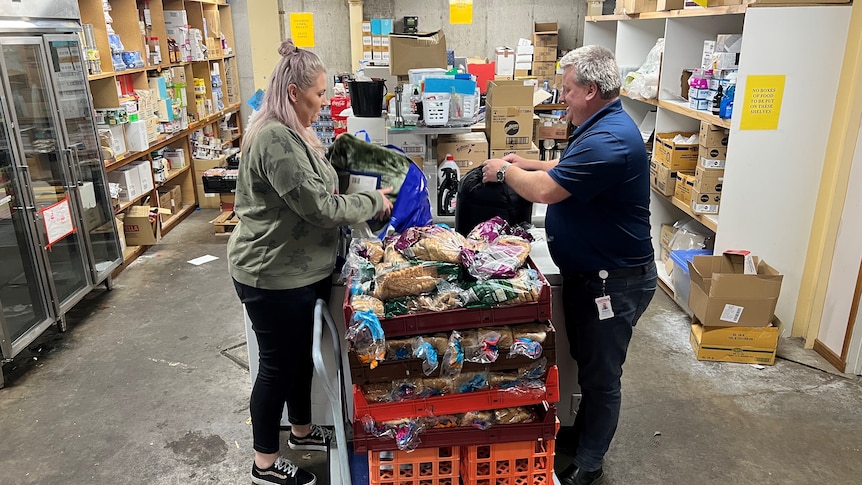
(283, 322)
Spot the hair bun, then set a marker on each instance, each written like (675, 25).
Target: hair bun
(286, 48)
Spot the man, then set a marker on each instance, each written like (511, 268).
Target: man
(598, 233)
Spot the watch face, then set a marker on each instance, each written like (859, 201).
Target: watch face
(501, 174)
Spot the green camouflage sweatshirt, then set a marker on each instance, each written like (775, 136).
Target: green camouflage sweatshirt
(289, 213)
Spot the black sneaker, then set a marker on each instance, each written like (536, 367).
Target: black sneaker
(577, 476)
(318, 439)
(282, 472)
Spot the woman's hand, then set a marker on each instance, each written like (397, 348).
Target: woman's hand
(386, 212)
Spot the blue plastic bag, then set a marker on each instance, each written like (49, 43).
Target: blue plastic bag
(412, 208)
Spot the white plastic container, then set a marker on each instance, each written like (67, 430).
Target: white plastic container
(435, 108)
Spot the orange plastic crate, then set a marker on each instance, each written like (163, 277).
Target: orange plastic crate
(423, 466)
(518, 463)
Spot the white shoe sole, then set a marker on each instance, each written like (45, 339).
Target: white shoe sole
(261, 481)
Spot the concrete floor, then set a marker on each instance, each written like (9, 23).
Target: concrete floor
(141, 390)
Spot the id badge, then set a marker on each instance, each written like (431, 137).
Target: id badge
(603, 304)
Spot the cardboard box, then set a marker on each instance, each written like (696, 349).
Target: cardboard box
(708, 179)
(705, 202)
(553, 129)
(145, 174)
(226, 202)
(665, 5)
(468, 150)
(129, 180)
(545, 70)
(509, 115)
(205, 200)
(713, 153)
(504, 59)
(666, 234)
(711, 163)
(713, 135)
(139, 229)
(676, 156)
(531, 153)
(684, 186)
(415, 51)
(639, 6)
(594, 8)
(745, 345)
(545, 54)
(545, 34)
(665, 179)
(722, 296)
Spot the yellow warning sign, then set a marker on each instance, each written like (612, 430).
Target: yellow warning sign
(302, 29)
(460, 11)
(761, 106)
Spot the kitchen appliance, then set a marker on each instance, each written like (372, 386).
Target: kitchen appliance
(58, 237)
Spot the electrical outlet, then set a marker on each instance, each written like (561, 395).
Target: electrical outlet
(576, 403)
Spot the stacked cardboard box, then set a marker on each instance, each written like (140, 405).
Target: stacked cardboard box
(669, 158)
(709, 176)
(733, 297)
(545, 40)
(467, 150)
(380, 30)
(509, 115)
(523, 58)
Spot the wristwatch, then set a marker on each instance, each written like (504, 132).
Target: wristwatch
(501, 174)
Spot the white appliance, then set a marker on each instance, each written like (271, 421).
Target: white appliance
(375, 127)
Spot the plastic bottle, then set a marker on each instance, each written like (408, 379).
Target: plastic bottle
(716, 101)
(546, 86)
(726, 108)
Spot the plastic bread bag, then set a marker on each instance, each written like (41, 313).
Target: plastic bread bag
(515, 415)
(398, 306)
(526, 347)
(413, 280)
(364, 303)
(425, 351)
(398, 349)
(533, 331)
(500, 259)
(373, 428)
(505, 332)
(533, 374)
(485, 350)
(357, 268)
(437, 386)
(407, 435)
(441, 422)
(471, 382)
(478, 419)
(525, 287)
(407, 389)
(370, 249)
(431, 243)
(366, 338)
(377, 392)
(453, 359)
(496, 226)
(503, 380)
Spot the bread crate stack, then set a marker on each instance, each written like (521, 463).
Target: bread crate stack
(452, 357)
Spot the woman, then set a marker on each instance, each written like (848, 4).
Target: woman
(282, 253)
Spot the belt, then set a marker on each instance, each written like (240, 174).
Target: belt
(616, 273)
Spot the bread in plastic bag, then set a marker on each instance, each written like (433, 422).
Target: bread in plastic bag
(364, 303)
(431, 243)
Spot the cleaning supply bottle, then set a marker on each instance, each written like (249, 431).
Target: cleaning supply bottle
(726, 108)
(716, 101)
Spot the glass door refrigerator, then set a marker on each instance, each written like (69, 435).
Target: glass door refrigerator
(58, 237)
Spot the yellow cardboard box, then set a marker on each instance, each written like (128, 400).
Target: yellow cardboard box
(747, 345)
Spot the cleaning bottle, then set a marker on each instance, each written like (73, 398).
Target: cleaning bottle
(716, 101)
(726, 109)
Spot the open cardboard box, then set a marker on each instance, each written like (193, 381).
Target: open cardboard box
(748, 345)
(722, 295)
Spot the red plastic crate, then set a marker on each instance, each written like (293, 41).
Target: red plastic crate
(545, 429)
(518, 463)
(458, 403)
(448, 320)
(391, 370)
(424, 466)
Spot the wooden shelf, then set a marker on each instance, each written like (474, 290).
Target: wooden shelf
(680, 107)
(708, 221)
(688, 12)
(126, 205)
(548, 107)
(172, 174)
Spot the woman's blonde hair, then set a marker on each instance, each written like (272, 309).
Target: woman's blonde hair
(297, 66)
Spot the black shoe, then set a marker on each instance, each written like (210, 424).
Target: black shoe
(318, 439)
(282, 472)
(576, 476)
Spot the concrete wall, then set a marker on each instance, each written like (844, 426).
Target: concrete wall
(495, 23)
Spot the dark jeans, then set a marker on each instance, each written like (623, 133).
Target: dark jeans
(599, 347)
(283, 322)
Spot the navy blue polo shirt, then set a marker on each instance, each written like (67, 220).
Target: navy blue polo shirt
(605, 223)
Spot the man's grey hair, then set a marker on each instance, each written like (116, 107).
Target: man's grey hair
(594, 64)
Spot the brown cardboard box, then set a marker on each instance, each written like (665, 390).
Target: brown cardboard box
(226, 202)
(413, 51)
(705, 202)
(708, 179)
(509, 115)
(176, 199)
(664, 5)
(531, 153)
(684, 187)
(639, 6)
(468, 150)
(722, 296)
(665, 179)
(594, 7)
(544, 70)
(545, 34)
(552, 129)
(545, 54)
(713, 135)
(205, 200)
(674, 155)
(746, 345)
(139, 229)
(666, 234)
(712, 153)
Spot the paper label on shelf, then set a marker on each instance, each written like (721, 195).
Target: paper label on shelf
(761, 108)
(302, 29)
(731, 313)
(460, 11)
(58, 221)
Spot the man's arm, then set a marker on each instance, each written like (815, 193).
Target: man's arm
(535, 186)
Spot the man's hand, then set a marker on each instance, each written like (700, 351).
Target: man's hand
(490, 168)
(387, 205)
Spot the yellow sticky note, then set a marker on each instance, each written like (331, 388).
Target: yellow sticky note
(702, 3)
(460, 11)
(761, 105)
(302, 29)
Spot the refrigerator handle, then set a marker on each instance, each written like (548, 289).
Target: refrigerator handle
(29, 183)
(72, 154)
